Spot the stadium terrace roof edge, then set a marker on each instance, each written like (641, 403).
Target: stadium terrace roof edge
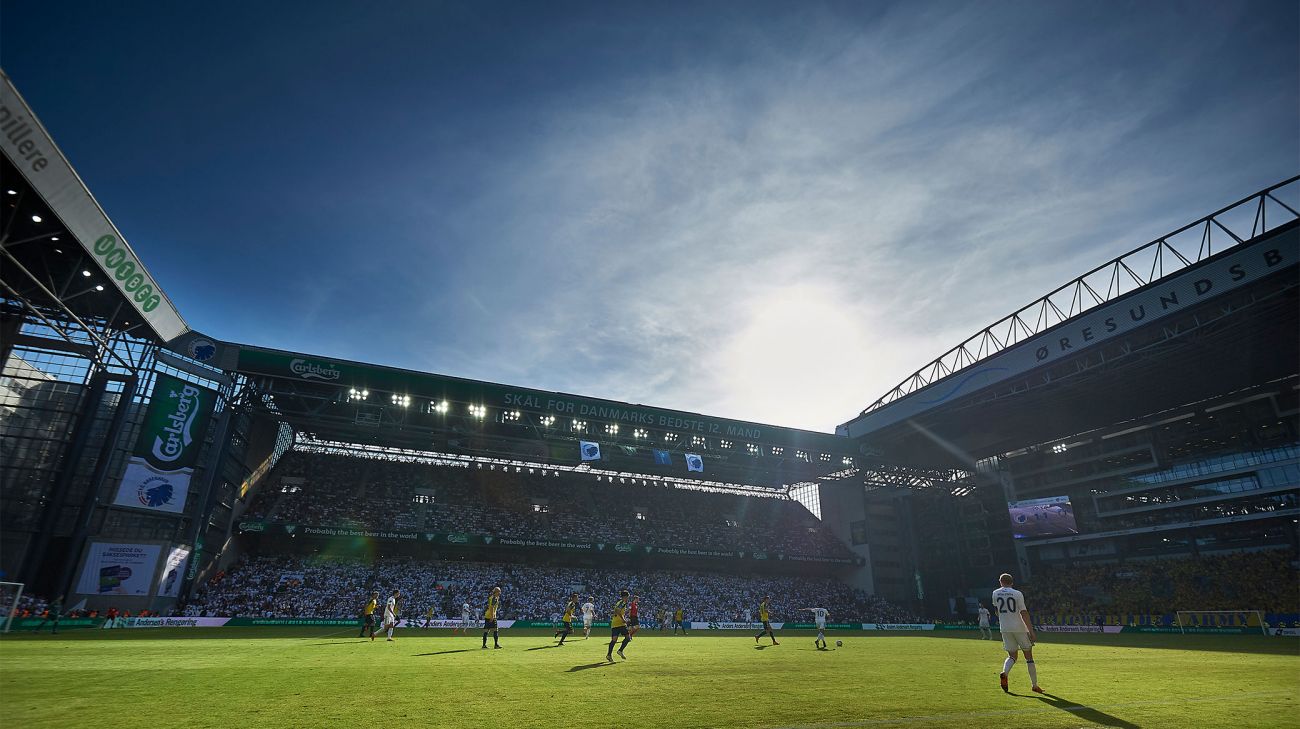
(1080, 296)
(348, 375)
(31, 149)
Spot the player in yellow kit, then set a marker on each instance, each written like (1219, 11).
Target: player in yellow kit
(368, 621)
(570, 608)
(765, 617)
(490, 617)
(618, 627)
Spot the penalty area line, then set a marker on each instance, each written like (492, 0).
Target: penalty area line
(1034, 710)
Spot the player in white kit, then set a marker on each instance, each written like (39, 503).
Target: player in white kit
(466, 617)
(1017, 630)
(588, 615)
(390, 613)
(819, 617)
(985, 633)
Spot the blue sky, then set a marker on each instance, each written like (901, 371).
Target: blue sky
(768, 211)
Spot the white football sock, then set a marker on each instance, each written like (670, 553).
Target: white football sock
(1007, 664)
(1033, 673)
(390, 632)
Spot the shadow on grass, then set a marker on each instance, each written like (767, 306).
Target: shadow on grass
(1086, 713)
(588, 666)
(760, 647)
(1224, 643)
(343, 642)
(543, 647)
(443, 653)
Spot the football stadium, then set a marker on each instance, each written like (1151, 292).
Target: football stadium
(207, 533)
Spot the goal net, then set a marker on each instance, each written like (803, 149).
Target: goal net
(1220, 619)
(10, 594)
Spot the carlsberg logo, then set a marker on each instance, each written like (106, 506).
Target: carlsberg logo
(175, 438)
(312, 371)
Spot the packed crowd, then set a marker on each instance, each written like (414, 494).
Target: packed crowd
(329, 588)
(1241, 581)
(333, 490)
(32, 606)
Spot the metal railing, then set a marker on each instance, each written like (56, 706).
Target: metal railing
(1217, 232)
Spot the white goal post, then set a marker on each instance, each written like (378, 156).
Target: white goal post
(10, 594)
(1196, 619)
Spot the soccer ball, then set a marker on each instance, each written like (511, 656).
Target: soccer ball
(839, 644)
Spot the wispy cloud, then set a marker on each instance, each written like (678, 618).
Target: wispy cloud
(764, 211)
(784, 239)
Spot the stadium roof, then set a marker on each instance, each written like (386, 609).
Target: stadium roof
(351, 401)
(61, 252)
(1207, 309)
(67, 265)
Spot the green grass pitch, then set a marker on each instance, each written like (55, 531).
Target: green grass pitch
(299, 677)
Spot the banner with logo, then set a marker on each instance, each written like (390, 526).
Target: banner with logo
(157, 477)
(37, 159)
(169, 580)
(694, 463)
(420, 622)
(172, 622)
(590, 451)
(898, 626)
(1077, 628)
(113, 568)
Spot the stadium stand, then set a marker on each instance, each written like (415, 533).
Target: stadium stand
(1242, 581)
(335, 490)
(330, 588)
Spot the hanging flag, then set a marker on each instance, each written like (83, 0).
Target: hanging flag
(590, 451)
(662, 458)
(694, 463)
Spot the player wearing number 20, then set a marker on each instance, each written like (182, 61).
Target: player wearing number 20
(1017, 630)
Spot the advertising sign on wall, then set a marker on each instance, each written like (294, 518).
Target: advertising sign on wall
(173, 572)
(113, 568)
(158, 475)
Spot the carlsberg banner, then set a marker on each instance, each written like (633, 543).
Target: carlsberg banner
(157, 477)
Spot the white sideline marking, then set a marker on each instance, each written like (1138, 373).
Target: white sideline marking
(1035, 710)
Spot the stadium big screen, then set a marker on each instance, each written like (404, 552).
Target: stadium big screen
(1047, 517)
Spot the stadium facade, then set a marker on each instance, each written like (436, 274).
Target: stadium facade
(1147, 409)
